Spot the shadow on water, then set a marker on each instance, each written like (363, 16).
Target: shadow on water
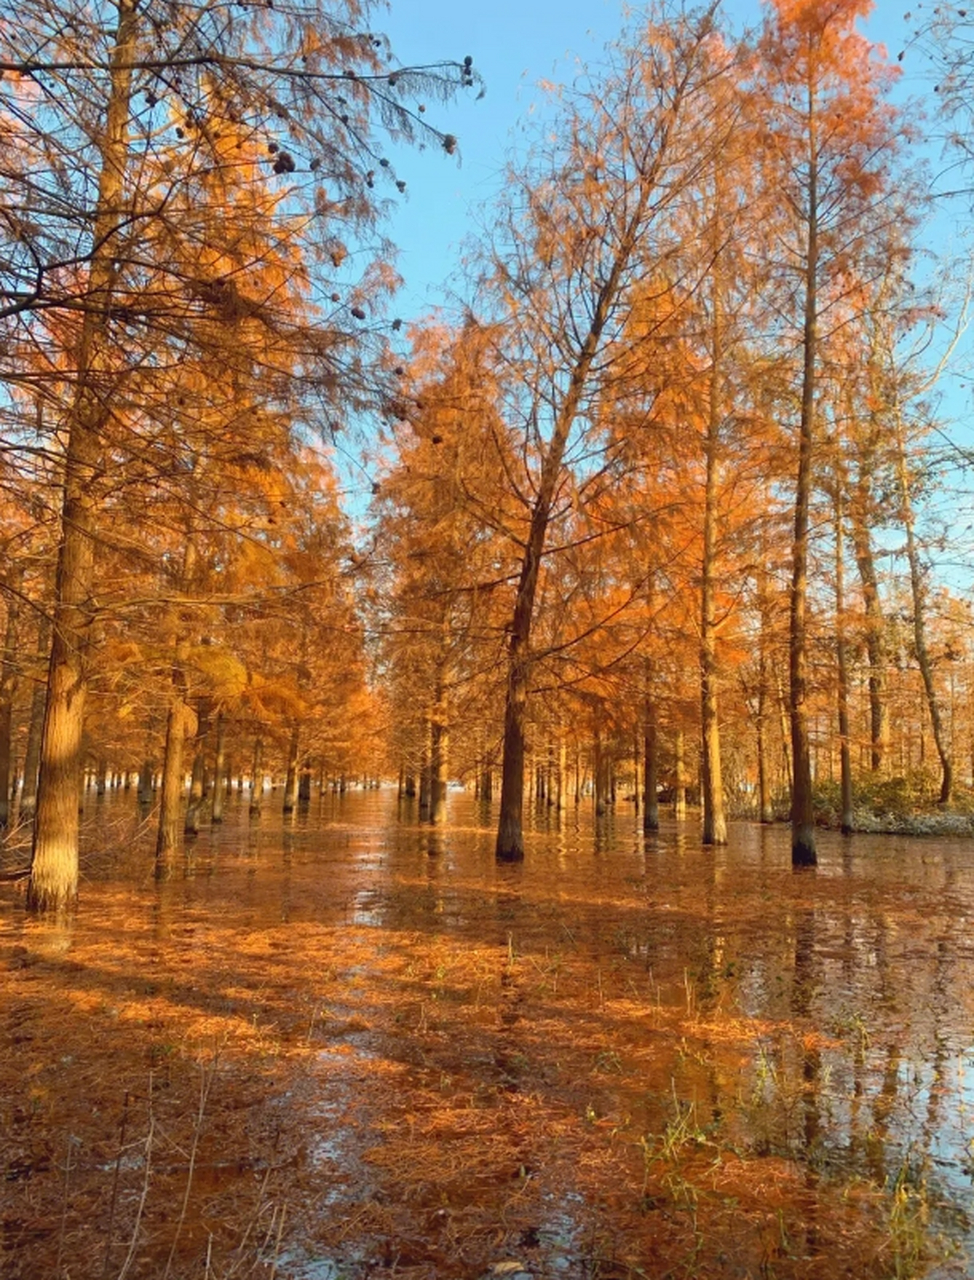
(352, 1044)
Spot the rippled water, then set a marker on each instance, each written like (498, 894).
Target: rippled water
(628, 1056)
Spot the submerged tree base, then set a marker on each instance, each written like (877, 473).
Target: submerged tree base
(507, 853)
(803, 852)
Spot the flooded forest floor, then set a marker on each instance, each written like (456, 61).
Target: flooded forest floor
(350, 1047)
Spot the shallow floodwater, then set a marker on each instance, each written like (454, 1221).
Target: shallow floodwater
(348, 1046)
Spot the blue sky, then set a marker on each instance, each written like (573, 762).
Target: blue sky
(515, 44)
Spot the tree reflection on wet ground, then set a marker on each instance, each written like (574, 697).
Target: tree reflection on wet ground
(353, 1047)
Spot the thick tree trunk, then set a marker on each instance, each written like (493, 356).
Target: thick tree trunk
(171, 787)
(53, 884)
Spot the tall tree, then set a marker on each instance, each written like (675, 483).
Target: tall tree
(829, 141)
(582, 222)
(106, 113)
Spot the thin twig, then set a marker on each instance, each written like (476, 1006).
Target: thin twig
(145, 1188)
(118, 1165)
(206, 1080)
(64, 1207)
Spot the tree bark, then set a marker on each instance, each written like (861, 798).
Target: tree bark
(53, 884)
(291, 776)
(38, 699)
(680, 777)
(8, 684)
(918, 594)
(171, 788)
(802, 813)
(876, 650)
(257, 779)
(842, 662)
(220, 772)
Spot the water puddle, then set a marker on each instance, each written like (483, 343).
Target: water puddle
(351, 1047)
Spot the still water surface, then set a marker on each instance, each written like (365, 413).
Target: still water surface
(348, 1045)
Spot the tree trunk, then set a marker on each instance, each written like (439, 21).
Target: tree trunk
(257, 779)
(8, 684)
(680, 778)
(802, 814)
(438, 771)
(53, 884)
(425, 781)
(291, 776)
(38, 699)
(510, 834)
(144, 794)
(220, 772)
(879, 723)
(601, 771)
(919, 597)
(842, 662)
(171, 790)
(650, 768)
(714, 820)
(197, 786)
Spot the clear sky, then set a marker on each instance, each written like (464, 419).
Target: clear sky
(515, 44)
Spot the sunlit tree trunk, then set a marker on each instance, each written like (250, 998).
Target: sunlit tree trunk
(171, 787)
(53, 884)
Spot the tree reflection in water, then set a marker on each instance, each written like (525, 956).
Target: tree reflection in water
(627, 1055)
